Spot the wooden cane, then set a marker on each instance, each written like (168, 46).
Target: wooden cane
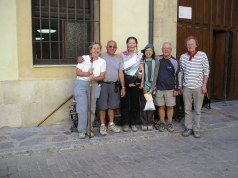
(90, 102)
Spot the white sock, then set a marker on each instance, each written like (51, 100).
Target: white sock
(102, 124)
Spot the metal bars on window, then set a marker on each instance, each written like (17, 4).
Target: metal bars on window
(62, 29)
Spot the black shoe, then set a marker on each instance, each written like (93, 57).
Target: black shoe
(196, 134)
(187, 132)
(161, 127)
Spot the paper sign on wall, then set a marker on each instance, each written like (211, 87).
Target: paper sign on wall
(185, 12)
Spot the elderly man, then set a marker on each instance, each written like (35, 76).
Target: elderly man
(110, 95)
(166, 82)
(195, 71)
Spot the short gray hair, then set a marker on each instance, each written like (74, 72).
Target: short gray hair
(92, 44)
(170, 44)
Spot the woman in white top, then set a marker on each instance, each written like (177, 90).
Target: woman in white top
(86, 72)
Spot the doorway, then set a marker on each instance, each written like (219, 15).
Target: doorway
(222, 61)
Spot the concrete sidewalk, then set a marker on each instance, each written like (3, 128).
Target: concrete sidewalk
(18, 141)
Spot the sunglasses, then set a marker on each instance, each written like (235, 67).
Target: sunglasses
(112, 47)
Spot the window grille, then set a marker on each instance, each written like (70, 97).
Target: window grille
(63, 29)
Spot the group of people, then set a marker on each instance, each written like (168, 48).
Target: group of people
(121, 80)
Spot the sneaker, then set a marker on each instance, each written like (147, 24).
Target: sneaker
(114, 128)
(103, 130)
(170, 127)
(187, 132)
(92, 134)
(82, 135)
(134, 128)
(161, 127)
(125, 128)
(196, 134)
(150, 127)
(144, 127)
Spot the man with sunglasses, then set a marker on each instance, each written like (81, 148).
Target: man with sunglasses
(109, 99)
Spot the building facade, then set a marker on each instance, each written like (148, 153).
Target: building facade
(37, 70)
(32, 82)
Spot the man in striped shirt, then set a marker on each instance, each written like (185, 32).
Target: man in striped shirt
(195, 72)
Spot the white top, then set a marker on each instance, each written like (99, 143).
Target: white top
(99, 66)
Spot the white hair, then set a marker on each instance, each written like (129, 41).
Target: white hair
(170, 44)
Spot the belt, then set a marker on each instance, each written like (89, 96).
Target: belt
(109, 82)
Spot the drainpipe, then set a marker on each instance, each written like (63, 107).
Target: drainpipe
(151, 21)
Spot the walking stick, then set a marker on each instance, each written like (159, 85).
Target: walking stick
(90, 102)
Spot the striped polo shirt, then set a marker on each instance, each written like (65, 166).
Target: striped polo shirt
(193, 71)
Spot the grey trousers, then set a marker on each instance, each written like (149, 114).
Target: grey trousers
(194, 96)
(82, 97)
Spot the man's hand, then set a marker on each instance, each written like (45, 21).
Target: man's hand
(204, 88)
(123, 92)
(175, 93)
(180, 92)
(80, 59)
(118, 56)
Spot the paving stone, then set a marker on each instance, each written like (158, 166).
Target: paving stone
(6, 145)
(2, 138)
(33, 141)
(59, 138)
(24, 173)
(46, 173)
(22, 136)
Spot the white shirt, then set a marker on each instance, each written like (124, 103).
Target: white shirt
(99, 66)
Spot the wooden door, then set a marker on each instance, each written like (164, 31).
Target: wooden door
(220, 71)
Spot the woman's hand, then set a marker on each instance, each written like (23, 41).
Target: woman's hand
(90, 71)
(91, 78)
(141, 85)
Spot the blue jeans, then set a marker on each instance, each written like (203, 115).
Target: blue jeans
(82, 97)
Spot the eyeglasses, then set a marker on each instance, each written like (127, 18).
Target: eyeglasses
(112, 47)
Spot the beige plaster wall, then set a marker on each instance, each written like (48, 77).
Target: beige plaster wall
(8, 45)
(165, 24)
(26, 103)
(130, 18)
(105, 22)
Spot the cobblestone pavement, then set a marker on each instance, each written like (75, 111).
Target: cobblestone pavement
(53, 151)
(212, 156)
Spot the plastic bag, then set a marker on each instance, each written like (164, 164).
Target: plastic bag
(149, 102)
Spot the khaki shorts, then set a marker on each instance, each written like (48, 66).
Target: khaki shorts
(164, 97)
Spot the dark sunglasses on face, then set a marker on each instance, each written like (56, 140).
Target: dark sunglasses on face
(112, 47)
